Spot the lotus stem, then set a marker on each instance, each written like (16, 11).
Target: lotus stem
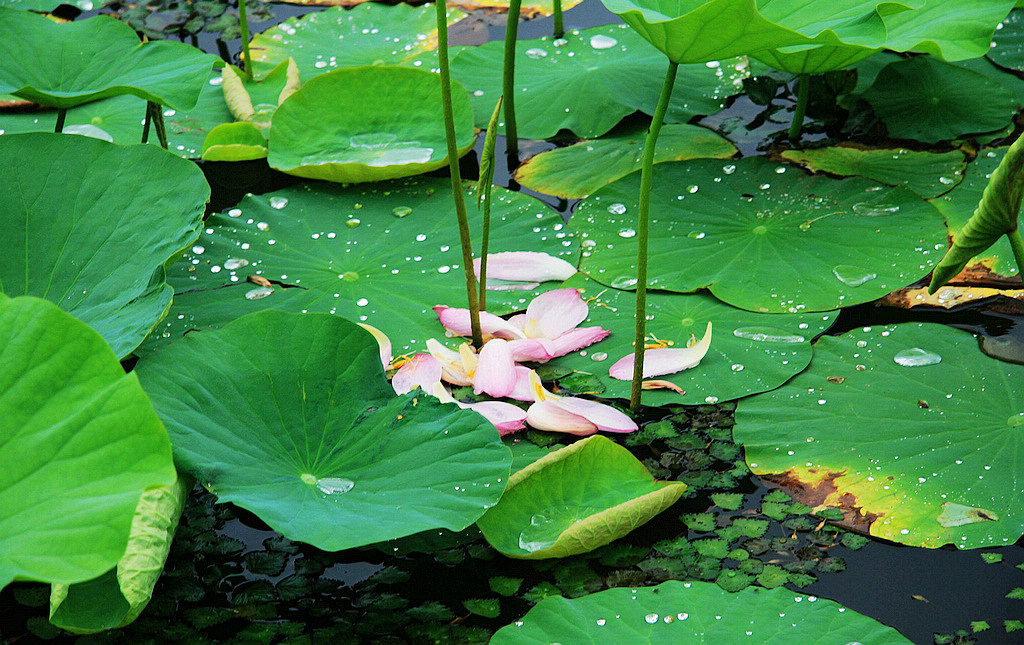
(803, 92)
(483, 191)
(559, 28)
(453, 165)
(1018, 250)
(145, 124)
(646, 179)
(243, 24)
(509, 80)
(62, 114)
(155, 113)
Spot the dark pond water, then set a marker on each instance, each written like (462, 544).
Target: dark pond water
(231, 579)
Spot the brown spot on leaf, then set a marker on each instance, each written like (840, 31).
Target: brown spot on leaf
(922, 404)
(836, 379)
(823, 491)
(258, 279)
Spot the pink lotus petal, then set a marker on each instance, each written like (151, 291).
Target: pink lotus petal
(511, 286)
(456, 320)
(531, 349)
(495, 371)
(452, 370)
(661, 361)
(548, 415)
(604, 417)
(507, 418)
(575, 339)
(553, 313)
(383, 343)
(526, 266)
(422, 371)
(522, 390)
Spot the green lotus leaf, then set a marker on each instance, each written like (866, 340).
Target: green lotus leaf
(256, 101)
(64, 65)
(89, 226)
(750, 352)
(575, 499)
(1009, 43)
(116, 598)
(589, 82)
(959, 204)
(955, 30)
(926, 173)
(290, 416)
(121, 116)
(995, 217)
(394, 258)
(580, 169)
(68, 413)
(367, 124)
(46, 5)
(761, 236)
(929, 100)
(234, 142)
(908, 428)
(368, 34)
(676, 613)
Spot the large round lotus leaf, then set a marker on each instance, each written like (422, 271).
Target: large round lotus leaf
(678, 613)
(958, 206)
(578, 170)
(908, 428)
(926, 173)
(396, 257)
(369, 34)
(929, 100)
(121, 117)
(765, 237)
(63, 65)
(239, 141)
(89, 226)
(290, 416)
(1009, 43)
(588, 81)
(367, 124)
(750, 352)
(949, 29)
(574, 500)
(79, 443)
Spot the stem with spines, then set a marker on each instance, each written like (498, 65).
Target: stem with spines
(508, 79)
(453, 165)
(483, 196)
(644, 208)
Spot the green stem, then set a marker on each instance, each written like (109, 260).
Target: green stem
(61, 115)
(243, 24)
(508, 79)
(646, 179)
(559, 28)
(484, 246)
(1018, 250)
(483, 191)
(803, 93)
(453, 165)
(155, 113)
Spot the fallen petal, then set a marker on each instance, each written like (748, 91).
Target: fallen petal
(456, 320)
(602, 416)
(383, 343)
(661, 385)
(422, 371)
(495, 371)
(547, 415)
(507, 418)
(526, 266)
(522, 390)
(553, 313)
(575, 339)
(452, 370)
(537, 350)
(661, 361)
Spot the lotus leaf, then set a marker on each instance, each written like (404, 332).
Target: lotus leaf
(387, 265)
(234, 142)
(580, 169)
(369, 34)
(256, 101)
(367, 124)
(908, 428)
(116, 598)
(64, 65)
(675, 613)
(959, 204)
(120, 116)
(84, 225)
(929, 100)
(926, 173)
(588, 81)
(290, 416)
(750, 352)
(79, 443)
(1009, 43)
(765, 237)
(528, 7)
(46, 5)
(575, 499)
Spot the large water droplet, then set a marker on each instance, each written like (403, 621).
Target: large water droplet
(600, 41)
(1016, 420)
(258, 292)
(278, 202)
(874, 210)
(651, 618)
(916, 357)
(198, 250)
(235, 263)
(767, 334)
(853, 276)
(624, 282)
(617, 208)
(536, 52)
(401, 211)
(627, 232)
(540, 534)
(334, 485)
(599, 356)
